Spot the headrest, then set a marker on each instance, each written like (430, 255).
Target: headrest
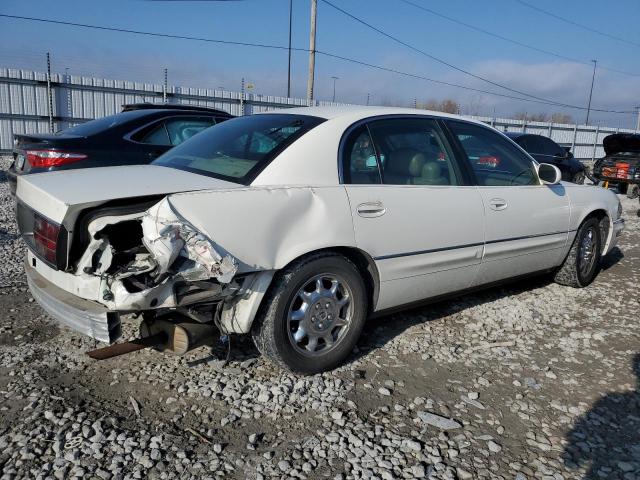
(431, 171)
(406, 161)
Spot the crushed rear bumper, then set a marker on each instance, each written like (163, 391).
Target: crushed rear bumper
(82, 315)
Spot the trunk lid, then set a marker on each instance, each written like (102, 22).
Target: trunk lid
(621, 143)
(42, 141)
(60, 195)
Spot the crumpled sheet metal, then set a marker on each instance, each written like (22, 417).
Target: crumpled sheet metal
(167, 236)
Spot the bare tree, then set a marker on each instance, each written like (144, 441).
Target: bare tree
(562, 118)
(447, 105)
(544, 117)
(532, 117)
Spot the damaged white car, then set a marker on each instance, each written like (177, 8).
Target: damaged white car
(295, 226)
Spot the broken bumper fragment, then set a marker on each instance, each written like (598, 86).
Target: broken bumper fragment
(170, 252)
(82, 315)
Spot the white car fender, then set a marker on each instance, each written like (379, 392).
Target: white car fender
(265, 228)
(586, 199)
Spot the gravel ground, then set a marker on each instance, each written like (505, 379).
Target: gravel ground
(532, 380)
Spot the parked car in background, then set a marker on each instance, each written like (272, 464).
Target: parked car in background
(294, 226)
(138, 135)
(545, 150)
(621, 163)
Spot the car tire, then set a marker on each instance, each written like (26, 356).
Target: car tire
(583, 261)
(578, 178)
(300, 307)
(633, 191)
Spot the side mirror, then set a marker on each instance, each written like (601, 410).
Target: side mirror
(549, 174)
(568, 152)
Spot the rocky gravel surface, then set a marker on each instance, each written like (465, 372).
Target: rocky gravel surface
(528, 381)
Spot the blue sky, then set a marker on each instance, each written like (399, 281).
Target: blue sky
(127, 56)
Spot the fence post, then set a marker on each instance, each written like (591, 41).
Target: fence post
(242, 97)
(595, 143)
(164, 87)
(49, 94)
(575, 135)
(550, 128)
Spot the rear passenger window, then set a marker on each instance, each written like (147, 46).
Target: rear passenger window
(413, 152)
(180, 129)
(359, 156)
(495, 160)
(174, 131)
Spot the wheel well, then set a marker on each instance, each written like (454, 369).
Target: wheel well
(604, 221)
(365, 265)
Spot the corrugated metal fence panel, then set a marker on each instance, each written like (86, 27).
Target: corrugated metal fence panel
(24, 107)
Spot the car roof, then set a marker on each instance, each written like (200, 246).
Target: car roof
(160, 107)
(361, 112)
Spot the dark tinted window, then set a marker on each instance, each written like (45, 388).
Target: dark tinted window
(238, 149)
(360, 165)
(541, 145)
(494, 159)
(413, 152)
(157, 136)
(174, 131)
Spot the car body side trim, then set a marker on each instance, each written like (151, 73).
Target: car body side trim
(433, 250)
(466, 245)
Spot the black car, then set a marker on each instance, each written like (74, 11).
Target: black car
(621, 163)
(137, 135)
(545, 150)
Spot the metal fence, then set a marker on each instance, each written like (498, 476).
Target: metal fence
(31, 102)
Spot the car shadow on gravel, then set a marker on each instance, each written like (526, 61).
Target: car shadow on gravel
(381, 330)
(606, 439)
(611, 259)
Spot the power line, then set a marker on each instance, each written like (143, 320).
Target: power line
(151, 34)
(464, 87)
(579, 25)
(511, 40)
(443, 62)
(327, 54)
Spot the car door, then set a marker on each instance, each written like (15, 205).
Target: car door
(414, 210)
(526, 222)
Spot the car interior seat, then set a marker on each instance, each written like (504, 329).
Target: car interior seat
(404, 166)
(432, 174)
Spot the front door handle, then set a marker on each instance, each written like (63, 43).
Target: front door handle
(498, 204)
(371, 209)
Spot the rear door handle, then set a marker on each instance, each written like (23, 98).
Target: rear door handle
(371, 209)
(498, 204)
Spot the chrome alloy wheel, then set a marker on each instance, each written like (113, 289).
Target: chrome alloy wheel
(319, 314)
(587, 251)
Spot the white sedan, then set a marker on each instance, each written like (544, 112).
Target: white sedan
(297, 225)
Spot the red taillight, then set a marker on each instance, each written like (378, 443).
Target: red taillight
(45, 236)
(52, 158)
(489, 160)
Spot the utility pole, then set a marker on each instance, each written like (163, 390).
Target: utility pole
(334, 88)
(638, 118)
(289, 65)
(312, 50)
(595, 62)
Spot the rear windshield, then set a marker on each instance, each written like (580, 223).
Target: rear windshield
(238, 149)
(100, 124)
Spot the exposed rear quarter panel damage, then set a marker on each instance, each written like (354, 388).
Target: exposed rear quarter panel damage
(265, 228)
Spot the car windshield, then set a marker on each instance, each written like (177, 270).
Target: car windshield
(238, 149)
(100, 124)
